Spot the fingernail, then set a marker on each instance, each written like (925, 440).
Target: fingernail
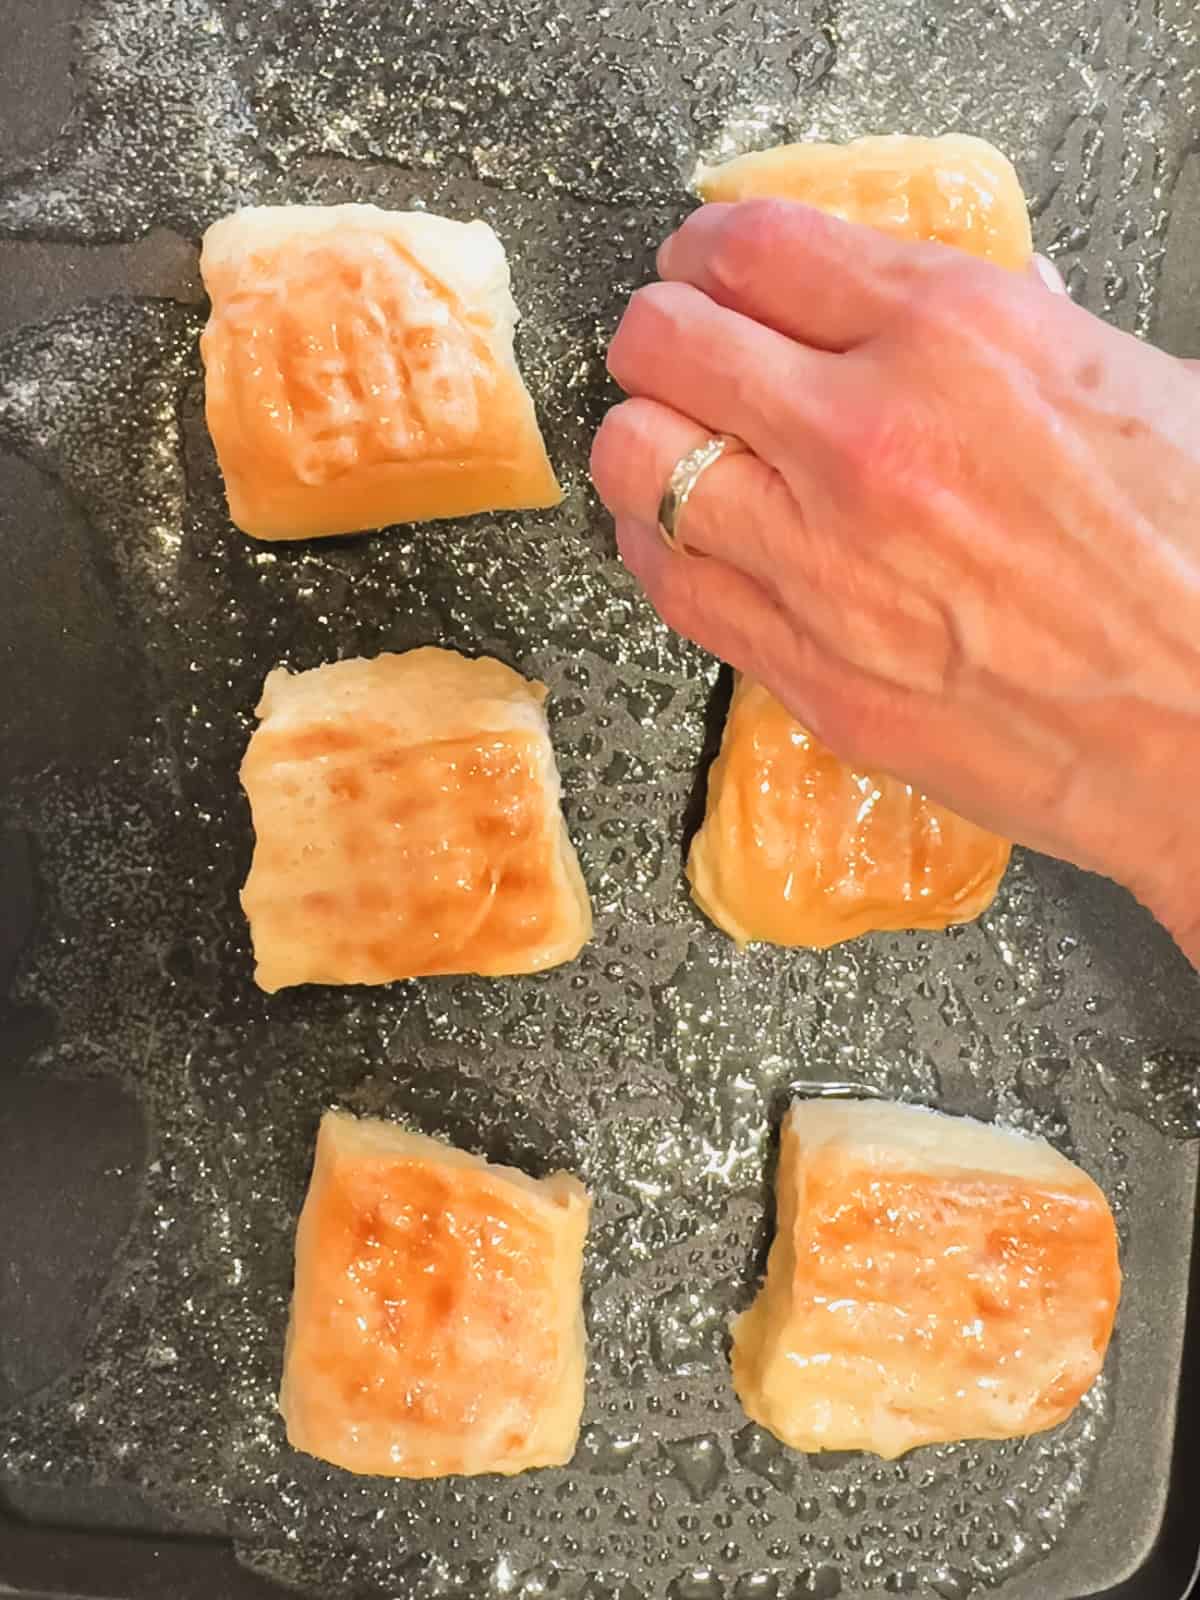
(663, 259)
(1049, 274)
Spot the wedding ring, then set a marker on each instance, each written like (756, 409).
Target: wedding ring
(683, 480)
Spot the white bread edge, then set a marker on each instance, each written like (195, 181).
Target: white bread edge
(893, 1136)
(427, 693)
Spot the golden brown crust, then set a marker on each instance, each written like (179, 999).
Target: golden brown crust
(407, 821)
(354, 379)
(913, 1301)
(799, 849)
(436, 1322)
(955, 190)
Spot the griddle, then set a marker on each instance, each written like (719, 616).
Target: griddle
(157, 1113)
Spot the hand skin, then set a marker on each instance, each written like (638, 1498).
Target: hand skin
(965, 546)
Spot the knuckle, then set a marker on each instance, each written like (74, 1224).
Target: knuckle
(647, 329)
(966, 297)
(743, 244)
(654, 305)
(619, 451)
(625, 347)
(900, 446)
(877, 443)
(776, 222)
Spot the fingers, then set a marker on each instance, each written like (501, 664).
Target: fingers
(740, 510)
(727, 612)
(812, 277)
(718, 607)
(678, 347)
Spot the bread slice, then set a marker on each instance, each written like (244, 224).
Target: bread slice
(955, 190)
(437, 1321)
(360, 371)
(932, 1278)
(796, 848)
(407, 822)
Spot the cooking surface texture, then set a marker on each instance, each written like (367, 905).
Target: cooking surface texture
(160, 1112)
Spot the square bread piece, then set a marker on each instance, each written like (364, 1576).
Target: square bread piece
(796, 848)
(359, 371)
(931, 1278)
(407, 821)
(437, 1321)
(955, 190)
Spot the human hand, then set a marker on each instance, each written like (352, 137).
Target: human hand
(965, 547)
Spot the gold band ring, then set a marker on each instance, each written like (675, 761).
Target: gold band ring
(685, 476)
